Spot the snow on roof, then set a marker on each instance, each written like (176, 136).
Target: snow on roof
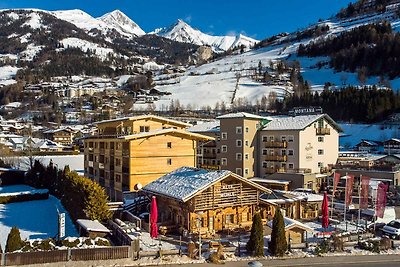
(241, 115)
(212, 126)
(296, 122)
(289, 223)
(184, 182)
(142, 117)
(308, 196)
(166, 131)
(271, 181)
(93, 226)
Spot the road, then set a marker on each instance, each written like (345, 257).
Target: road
(334, 261)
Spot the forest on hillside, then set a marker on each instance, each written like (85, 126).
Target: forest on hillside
(372, 49)
(352, 104)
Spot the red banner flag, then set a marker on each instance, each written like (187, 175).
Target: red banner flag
(336, 179)
(381, 200)
(364, 192)
(349, 188)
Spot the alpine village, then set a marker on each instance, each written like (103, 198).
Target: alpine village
(120, 147)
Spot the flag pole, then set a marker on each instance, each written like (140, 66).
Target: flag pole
(333, 192)
(345, 199)
(359, 207)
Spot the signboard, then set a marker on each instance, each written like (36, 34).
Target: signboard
(305, 110)
(61, 225)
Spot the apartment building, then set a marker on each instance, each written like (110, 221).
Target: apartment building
(257, 146)
(129, 153)
(207, 151)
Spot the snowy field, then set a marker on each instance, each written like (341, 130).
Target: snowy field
(353, 133)
(35, 219)
(75, 162)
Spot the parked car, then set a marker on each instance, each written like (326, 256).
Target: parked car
(392, 229)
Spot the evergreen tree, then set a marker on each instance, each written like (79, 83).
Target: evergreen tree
(14, 241)
(278, 244)
(255, 245)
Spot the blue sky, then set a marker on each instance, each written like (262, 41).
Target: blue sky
(258, 19)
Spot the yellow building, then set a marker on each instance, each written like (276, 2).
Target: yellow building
(129, 153)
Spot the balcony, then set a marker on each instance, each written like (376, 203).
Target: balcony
(275, 158)
(275, 144)
(323, 131)
(272, 170)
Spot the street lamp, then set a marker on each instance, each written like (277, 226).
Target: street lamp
(198, 219)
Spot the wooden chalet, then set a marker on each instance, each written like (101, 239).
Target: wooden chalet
(295, 205)
(196, 200)
(294, 230)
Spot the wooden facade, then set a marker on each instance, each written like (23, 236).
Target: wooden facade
(154, 147)
(226, 205)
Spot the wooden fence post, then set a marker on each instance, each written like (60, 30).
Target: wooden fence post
(69, 255)
(3, 259)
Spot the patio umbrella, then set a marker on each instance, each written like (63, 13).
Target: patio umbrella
(325, 211)
(153, 218)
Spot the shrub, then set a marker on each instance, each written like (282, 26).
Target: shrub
(278, 243)
(255, 245)
(102, 242)
(70, 244)
(322, 248)
(23, 197)
(370, 245)
(191, 250)
(338, 243)
(14, 241)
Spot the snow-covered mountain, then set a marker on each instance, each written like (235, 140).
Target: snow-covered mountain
(122, 23)
(183, 32)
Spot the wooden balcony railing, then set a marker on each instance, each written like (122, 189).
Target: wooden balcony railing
(276, 158)
(275, 144)
(323, 131)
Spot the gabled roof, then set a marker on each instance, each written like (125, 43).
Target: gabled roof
(169, 131)
(184, 183)
(290, 223)
(241, 115)
(207, 127)
(298, 122)
(146, 117)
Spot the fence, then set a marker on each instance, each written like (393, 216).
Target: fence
(37, 257)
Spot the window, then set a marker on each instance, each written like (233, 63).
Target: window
(290, 152)
(224, 136)
(117, 162)
(246, 156)
(169, 145)
(246, 171)
(239, 130)
(118, 178)
(144, 129)
(320, 139)
(238, 156)
(283, 165)
(291, 166)
(283, 138)
(283, 152)
(224, 161)
(320, 164)
(229, 218)
(247, 129)
(224, 149)
(264, 138)
(320, 151)
(290, 138)
(238, 143)
(320, 123)
(246, 142)
(239, 171)
(264, 164)
(265, 152)
(271, 138)
(169, 161)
